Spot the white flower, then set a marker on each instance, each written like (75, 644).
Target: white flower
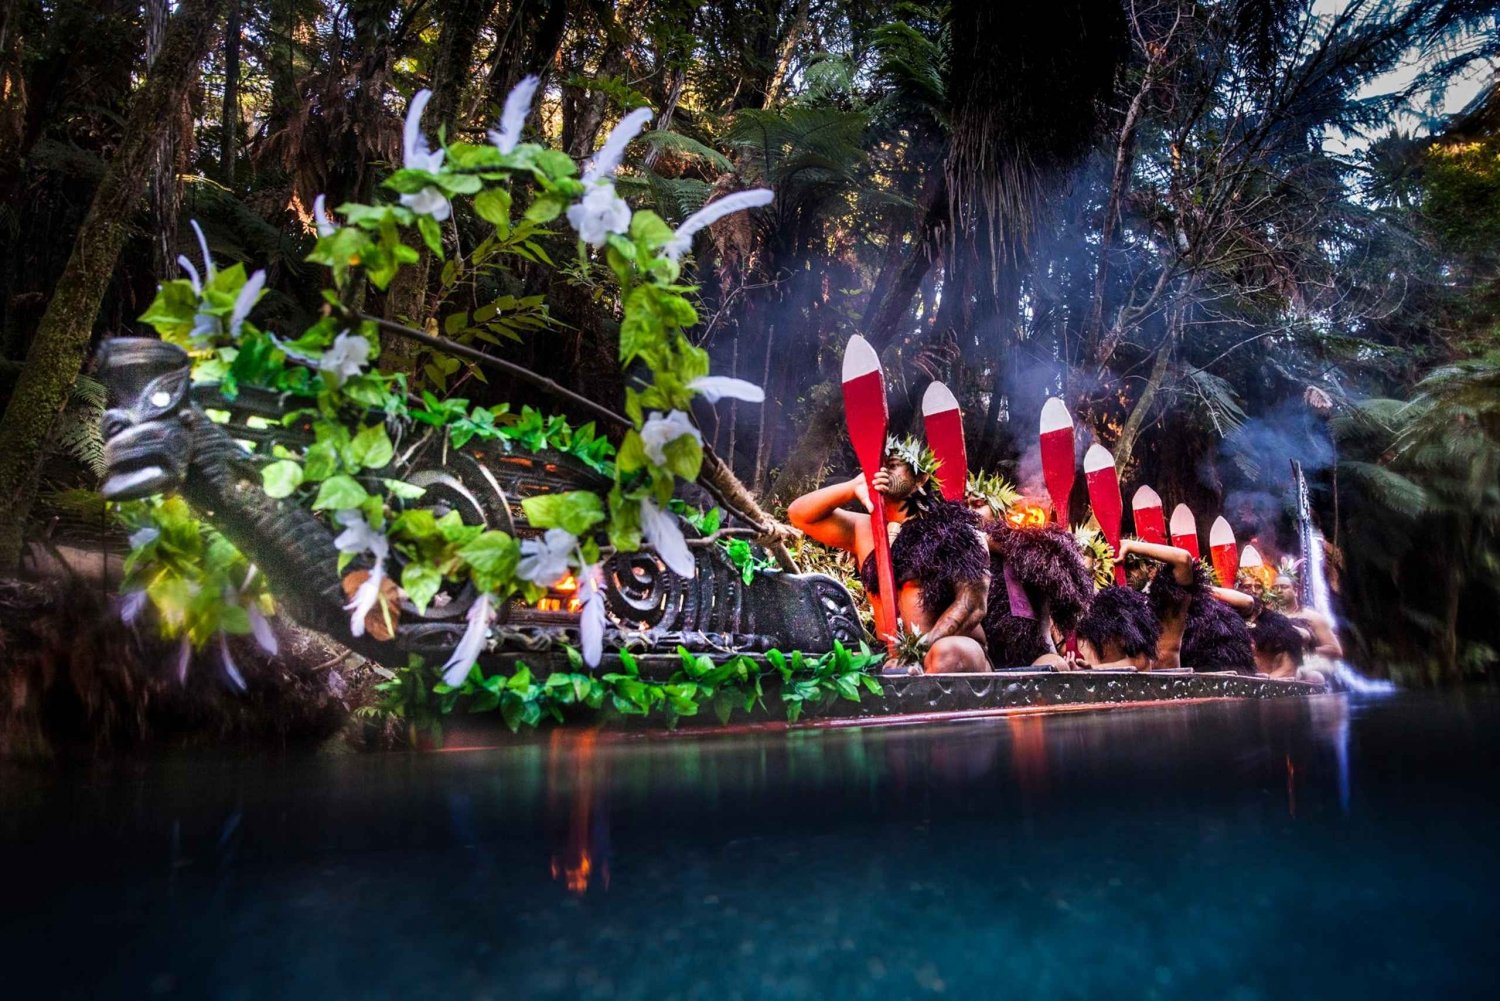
(592, 620)
(245, 301)
(604, 163)
(599, 213)
(346, 359)
(429, 201)
(144, 536)
(472, 644)
(323, 220)
(682, 238)
(658, 431)
(236, 680)
(716, 387)
(358, 538)
(545, 561)
(513, 117)
(416, 155)
(661, 531)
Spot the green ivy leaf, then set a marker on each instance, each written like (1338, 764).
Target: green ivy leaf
(684, 456)
(493, 206)
(421, 583)
(371, 448)
(576, 511)
(402, 490)
(281, 478)
(338, 493)
(492, 557)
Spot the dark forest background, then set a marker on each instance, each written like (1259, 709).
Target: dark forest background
(1139, 206)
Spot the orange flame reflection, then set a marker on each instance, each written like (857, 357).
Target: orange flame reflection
(1024, 514)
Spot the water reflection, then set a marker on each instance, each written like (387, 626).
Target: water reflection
(576, 778)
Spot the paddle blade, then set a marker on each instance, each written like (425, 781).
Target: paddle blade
(1223, 551)
(1250, 558)
(943, 423)
(865, 413)
(864, 403)
(1058, 463)
(1104, 495)
(1150, 523)
(1184, 528)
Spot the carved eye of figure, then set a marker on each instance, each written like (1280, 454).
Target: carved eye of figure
(164, 393)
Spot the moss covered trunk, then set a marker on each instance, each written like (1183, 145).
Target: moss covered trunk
(62, 338)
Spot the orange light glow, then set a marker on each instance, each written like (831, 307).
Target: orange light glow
(1024, 514)
(561, 597)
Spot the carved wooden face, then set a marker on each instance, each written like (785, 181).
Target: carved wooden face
(146, 444)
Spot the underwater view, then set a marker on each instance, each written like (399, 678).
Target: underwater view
(1316, 847)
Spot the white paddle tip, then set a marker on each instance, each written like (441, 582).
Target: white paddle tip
(1250, 558)
(1221, 534)
(859, 359)
(1097, 458)
(1145, 497)
(938, 399)
(1055, 416)
(1183, 522)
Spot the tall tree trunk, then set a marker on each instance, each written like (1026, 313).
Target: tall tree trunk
(231, 111)
(164, 194)
(62, 339)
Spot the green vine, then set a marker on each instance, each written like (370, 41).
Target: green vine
(737, 684)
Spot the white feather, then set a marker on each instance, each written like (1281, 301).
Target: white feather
(682, 238)
(513, 117)
(608, 158)
(661, 531)
(591, 622)
(472, 643)
(245, 301)
(231, 671)
(261, 630)
(717, 387)
(208, 261)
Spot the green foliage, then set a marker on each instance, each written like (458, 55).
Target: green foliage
(736, 684)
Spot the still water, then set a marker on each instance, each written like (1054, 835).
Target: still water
(1290, 848)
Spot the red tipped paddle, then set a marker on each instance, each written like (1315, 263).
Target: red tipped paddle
(865, 413)
(1104, 494)
(943, 423)
(1058, 460)
(1184, 529)
(1223, 551)
(1150, 523)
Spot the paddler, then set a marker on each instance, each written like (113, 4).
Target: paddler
(1197, 631)
(1283, 596)
(1118, 630)
(938, 553)
(1039, 585)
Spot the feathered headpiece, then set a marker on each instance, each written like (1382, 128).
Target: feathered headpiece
(1097, 550)
(922, 460)
(998, 492)
(1291, 568)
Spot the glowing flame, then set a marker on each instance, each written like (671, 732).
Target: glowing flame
(561, 597)
(575, 876)
(1024, 514)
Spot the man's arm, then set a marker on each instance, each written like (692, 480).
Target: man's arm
(1180, 560)
(821, 516)
(967, 611)
(1323, 635)
(1237, 600)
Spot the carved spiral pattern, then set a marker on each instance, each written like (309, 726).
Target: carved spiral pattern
(641, 593)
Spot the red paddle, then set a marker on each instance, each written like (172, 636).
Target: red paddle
(865, 413)
(1223, 551)
(1150, 523)
(1104, 494)
(1185, 529)
(943, 423)
(1059, 466)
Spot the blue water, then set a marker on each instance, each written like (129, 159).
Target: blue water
(1294, 848)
